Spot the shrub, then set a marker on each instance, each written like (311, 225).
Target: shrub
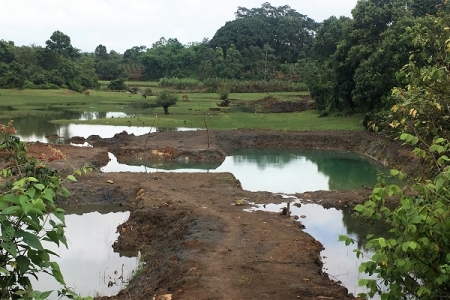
(166, 99)
(117, 85)
(28, 217)
(223, 91)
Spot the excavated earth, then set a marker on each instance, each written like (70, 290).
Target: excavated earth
(195, 241)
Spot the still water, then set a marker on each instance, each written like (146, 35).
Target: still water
(325, 225)
(89, 264)
(38, 128)
(294, 171)
(277, 171)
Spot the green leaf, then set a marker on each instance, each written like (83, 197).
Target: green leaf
(52, 236)
(400, 262)
(382, 242)
(32, 179)
(359, 208)
(65, 192)
(346, 239)
(4, 271)
(48, 194)
(12, 210)
(57, 272)
(60, 215)
(39, 186)
(30, 239)
(27, 207)
(10, 247)
(363, 282)
(405, 246)
(71, 178)
(439, 141)
(23, 264)
(8, 233)
(31, 192)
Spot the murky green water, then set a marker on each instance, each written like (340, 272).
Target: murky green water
(280, 171)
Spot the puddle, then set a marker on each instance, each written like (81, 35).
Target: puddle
(325, 225)
(89, 265)
(87, 115)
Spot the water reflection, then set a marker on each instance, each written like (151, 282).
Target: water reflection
(88, 115)
(279, 171)
(38, 127)
(90, 264)
(325, 225)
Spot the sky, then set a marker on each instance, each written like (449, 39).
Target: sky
(122, 24)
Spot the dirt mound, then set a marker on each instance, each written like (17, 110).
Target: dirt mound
(271, 104)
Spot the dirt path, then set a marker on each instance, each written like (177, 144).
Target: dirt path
(195, 241)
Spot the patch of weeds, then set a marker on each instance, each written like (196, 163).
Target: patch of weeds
(244, 280)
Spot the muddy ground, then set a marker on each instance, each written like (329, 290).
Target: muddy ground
(196, 241)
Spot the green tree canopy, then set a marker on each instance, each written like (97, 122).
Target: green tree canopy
(166, 99)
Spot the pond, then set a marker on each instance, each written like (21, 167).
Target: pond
(39, 128)
(272, 170)
(277, 170)
(89, 265)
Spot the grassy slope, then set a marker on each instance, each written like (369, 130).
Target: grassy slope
(192, 113)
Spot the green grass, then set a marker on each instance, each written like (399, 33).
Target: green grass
(193, 113)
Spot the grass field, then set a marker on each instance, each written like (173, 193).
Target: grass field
(193, 113)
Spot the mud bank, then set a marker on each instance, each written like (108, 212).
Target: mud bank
(195, 242)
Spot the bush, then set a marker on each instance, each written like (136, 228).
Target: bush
(224, 91)
(166, 99)
(117, 85)
(28, 217)
(148, 91)
(212, 85)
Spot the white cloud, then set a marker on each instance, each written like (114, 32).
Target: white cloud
(120, 25)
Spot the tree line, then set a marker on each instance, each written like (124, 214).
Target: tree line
(348, 64)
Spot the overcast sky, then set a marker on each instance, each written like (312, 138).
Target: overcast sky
(122, 24)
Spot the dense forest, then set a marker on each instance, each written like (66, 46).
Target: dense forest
(348, 64)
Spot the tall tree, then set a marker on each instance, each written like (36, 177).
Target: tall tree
(282, 28)
(60, 43)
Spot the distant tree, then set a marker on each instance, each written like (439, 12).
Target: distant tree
(329, 34)
(7, 54)
(134, 54)
(60, 43)
(168, 58)
(204, 60)
(101, 53)
(233, 63)
(282, 28)
(166, 99)
(421, 8)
